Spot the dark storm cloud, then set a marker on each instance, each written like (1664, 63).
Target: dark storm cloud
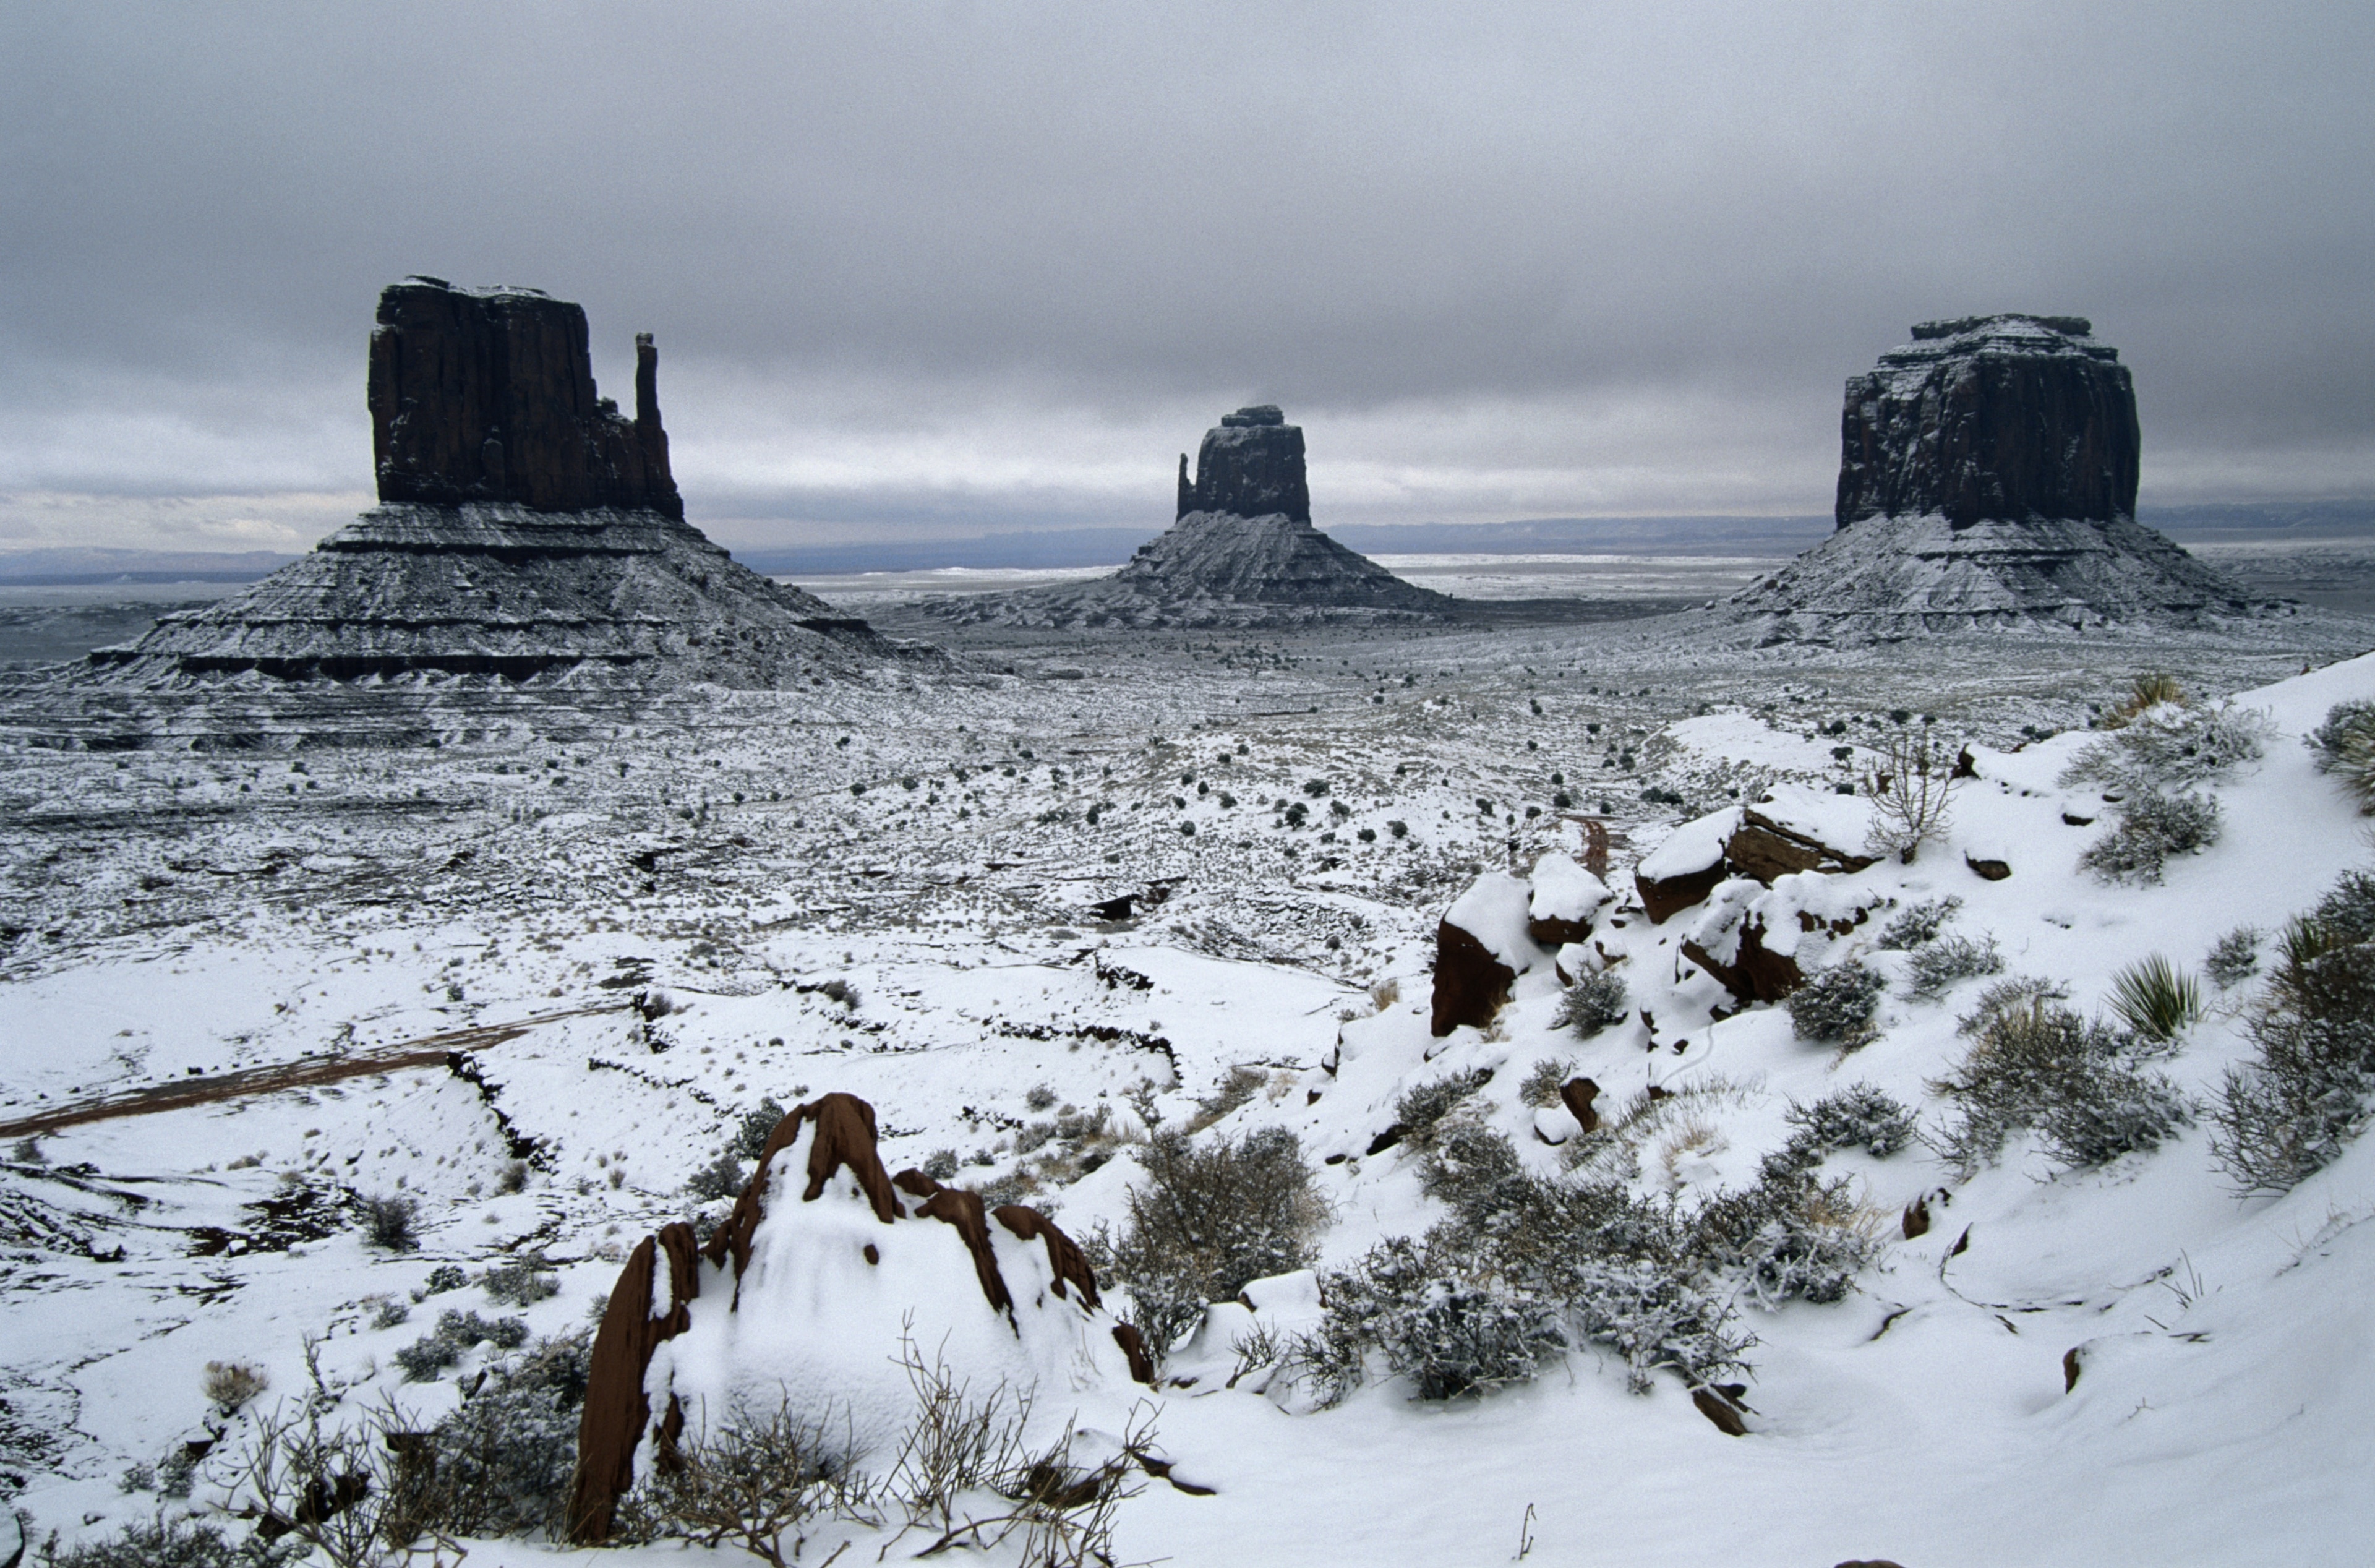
(924, 262)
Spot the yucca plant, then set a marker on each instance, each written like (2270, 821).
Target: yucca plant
(2155, 998)
(2149, 692)
(2304, 939)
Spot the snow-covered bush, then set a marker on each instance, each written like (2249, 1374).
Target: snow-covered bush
(391, 1223)
(1911, 787)
(1208, 1218)
(2153, 826)
(230, 1385)
(722, 1177)
(2345, 747)
(1917, 923)
(2289, 1111)
(1466, 1165)
(1858, 1118)
(505, 1458)
(941, 1164)
(1421, 1108)
(455, 1333)
(749, 1479)
(1595, 1002)
(1836, 1004)
(523, 1283)
(2234, 958)
(2169, 747)
(1445, 1327)
(1544, 1081)
(2036, 1065)
(1936, 965)
(1240, 1085)
(172, 1543)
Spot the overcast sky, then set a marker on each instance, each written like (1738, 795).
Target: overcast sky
(956, 269)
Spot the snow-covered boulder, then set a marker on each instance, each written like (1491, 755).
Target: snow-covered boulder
(1480, 948)
(805, 1293)
(1687, 867)
(1797, 828)
(1564, 899)
(1762, 943)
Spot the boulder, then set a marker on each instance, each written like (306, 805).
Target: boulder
(1762, 943)
(812, 1284)
(1480, 948)
(1687, 867)
(1576, 1094)
(1564, 899)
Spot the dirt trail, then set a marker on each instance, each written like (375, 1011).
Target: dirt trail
(429, 1051)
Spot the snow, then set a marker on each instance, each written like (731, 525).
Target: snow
(1564, 890)
(2218, 1413)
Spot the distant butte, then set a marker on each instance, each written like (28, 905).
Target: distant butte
(526, 532)
(1988, 478)
(1241, 552)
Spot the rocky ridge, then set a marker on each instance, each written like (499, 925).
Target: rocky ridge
(1241, 552)
(1988, 480)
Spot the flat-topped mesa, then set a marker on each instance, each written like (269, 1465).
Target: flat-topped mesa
(1250, 466)
(2006, 417)
(488, 395)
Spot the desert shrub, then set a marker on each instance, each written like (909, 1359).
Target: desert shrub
(1836, 1004)
(455, 1333)
(1917, 923)
(444, 1277)
(758, 1125)
(2153, 826)
(2234, 958)
(392, 1313)
(2155, 998)
(1939, 964)
(1041, 1098)
(523, 1283)
(722, 1177)
(230, 1385)
(2289, 1111)
(1242, 1084)
(2169, 747)
(1207, 1219)
(1446, 1329)
(1911, 787)
(1544, 1081)
(171, 1543)
(513, 1178)
(941, 1164)
(2345, 747)
(391, 1223)
(505, 1458)
(1594, 1002)
(2082, 1085)
(1421, 1107)
(1465, 1166)
(1860, 1117)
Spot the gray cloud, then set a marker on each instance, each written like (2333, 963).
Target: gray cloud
(936, 267)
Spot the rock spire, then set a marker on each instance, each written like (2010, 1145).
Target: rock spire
(1250, 466)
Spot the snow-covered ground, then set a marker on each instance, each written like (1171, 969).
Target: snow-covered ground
(887, 889)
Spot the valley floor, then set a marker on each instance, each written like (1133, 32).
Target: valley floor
(349, 970)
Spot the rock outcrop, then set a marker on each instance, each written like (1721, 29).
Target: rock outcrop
(1503, 927)
(1241, 552)
(810, 1287)
(1988, 480)
(526, 532)
(489, 397)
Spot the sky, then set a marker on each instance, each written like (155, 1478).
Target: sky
(941, 269)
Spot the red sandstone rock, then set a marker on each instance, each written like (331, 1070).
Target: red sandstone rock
(1471, 985)
(616, 1410)
(1070, 1266)
(1576, 1094)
